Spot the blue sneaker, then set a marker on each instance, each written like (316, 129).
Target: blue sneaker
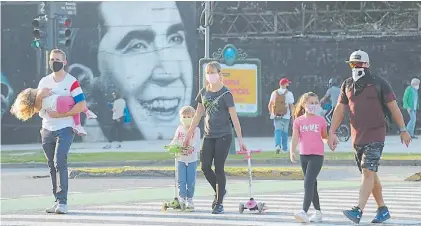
(218, 209)
(215, 200)
(382, 215)
(354, 215)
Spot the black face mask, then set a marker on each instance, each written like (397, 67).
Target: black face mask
(57, 66)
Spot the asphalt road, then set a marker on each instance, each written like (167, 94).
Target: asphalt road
(20, 183)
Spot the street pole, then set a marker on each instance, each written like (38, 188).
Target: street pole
(207, 28)
(50, 36)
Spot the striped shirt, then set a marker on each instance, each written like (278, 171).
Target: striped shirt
(68, 87)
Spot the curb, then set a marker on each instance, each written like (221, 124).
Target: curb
(275, 162)
(269, 174)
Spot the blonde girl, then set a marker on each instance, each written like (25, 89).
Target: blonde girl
(24, 107)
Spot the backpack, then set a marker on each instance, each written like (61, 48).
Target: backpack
(386, 111)
(279, 108)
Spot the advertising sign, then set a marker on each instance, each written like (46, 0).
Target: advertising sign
(242, 80)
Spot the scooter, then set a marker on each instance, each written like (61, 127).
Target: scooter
(251, 204)
(175, 204)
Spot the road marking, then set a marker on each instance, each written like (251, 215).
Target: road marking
(403, 207)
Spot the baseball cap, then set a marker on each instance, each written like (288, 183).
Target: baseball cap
(284, 81)
(358, 56)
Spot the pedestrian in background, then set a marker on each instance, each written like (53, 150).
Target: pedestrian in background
(116, 131)
(411, 104)
(281, 106)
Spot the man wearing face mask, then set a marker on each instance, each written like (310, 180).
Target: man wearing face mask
(366, 95)
(57, 128)
(411, 104)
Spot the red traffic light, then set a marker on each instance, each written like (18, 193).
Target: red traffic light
(67, 22)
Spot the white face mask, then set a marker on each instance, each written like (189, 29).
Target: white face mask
(357, 73)
(417, 87)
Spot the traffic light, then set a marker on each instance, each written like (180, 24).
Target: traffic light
(63, 32)
(39, 32)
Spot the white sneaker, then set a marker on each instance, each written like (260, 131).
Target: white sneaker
(108, 146)
(90, 114)
(51, 209)
(302, 217)
(190, 204)
(316, 217)
(61, 208)
(80, 130)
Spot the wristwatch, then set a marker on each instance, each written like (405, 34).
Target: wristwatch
(402, 130)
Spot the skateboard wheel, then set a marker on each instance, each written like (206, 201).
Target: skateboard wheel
(241, 208)
(260, 207)
(164, 207)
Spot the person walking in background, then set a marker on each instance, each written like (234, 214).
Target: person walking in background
(119, 106)
(333, 94)
(309, 130)
(280, 106)
(411, 104)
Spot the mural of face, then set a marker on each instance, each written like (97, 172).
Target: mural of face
(144, 52)
(6, 95)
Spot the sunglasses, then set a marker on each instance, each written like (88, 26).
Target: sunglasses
(356, 64)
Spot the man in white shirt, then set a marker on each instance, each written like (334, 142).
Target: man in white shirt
(118, 121)
(281, 123)
(57, 128)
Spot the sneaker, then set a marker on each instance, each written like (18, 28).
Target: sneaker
(118, 146)
(182, 202)
(382, 215)
(302, 217)
(79, 130)
(108, 146)
(190, 204)
(215, 201)
(354, 214)
(51, 209)
(90, 114)
(414, 137)
(61, 209)
(316, 217)
(218, 209)
(278, 150)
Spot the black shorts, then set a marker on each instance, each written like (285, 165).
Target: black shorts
(368, 155)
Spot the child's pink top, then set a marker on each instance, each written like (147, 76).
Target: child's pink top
(310, 131)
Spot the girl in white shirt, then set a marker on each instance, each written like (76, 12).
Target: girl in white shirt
(24, 107)
(187, 162)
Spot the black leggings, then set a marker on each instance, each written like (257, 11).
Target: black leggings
(116, 130)
(311, 165)
(215, 149)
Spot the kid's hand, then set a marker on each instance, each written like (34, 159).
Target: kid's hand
(188, 137)
(292, 157)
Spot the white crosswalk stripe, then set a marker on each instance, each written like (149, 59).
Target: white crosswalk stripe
(403, 202)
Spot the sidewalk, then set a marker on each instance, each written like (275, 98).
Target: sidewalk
(393, 145)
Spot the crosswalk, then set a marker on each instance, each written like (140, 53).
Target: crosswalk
(404, 203)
